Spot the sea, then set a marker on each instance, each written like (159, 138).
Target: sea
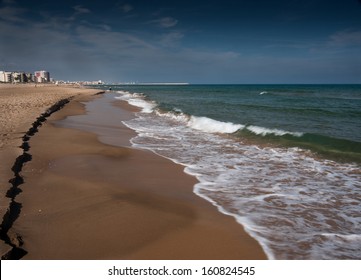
(283, 160)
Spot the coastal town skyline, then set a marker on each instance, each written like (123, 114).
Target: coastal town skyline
(182, 41)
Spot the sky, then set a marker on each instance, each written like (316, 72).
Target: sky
(212, 41)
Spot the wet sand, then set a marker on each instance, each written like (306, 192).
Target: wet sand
(88, 195)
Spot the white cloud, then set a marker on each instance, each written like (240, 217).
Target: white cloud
(171, 39)
(81, 10)
(105, 27)
(165, 22)
(346, 38)
(111, 43)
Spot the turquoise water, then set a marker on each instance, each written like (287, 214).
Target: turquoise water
(283, 160)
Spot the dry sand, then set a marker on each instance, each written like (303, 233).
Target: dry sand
(21, 104)
(83, 199)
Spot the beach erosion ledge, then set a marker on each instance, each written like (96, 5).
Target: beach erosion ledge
(72, 196)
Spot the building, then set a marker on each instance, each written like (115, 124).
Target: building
(29, 77)
(6, 77)
(41, 76)
(18, 77)
(24, 77)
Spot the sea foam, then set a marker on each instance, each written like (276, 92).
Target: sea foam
(266, 131)
(137, 100)
(213, 126)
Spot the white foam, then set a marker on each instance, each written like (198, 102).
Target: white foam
(349, 237)
(137, 100)
(179, 117)
(147, 107)
(265, 131)
(122, 92)
(213, 126)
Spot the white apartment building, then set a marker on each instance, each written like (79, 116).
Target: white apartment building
(15, 77)
(6, 77)
(41, 76)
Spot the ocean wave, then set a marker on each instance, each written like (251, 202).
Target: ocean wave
(147, 107)
(203, 124)
(213, 126)
(330, 147)
(266, 131)
(179, 117)
(137, 100)
(200, 123)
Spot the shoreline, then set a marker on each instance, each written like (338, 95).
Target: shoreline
(77, 205)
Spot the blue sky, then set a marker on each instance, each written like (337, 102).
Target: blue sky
(244, 41)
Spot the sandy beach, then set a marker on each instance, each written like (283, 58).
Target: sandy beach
(20, 106)
(88, 195)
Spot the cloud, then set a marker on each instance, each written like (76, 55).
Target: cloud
(79, 9)
(171, 39)
(126, 8)
(12, 14)
(165, 22)
(9, 2)
(344, 43)
(105, 27)
(346, 38)
(111, 43)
